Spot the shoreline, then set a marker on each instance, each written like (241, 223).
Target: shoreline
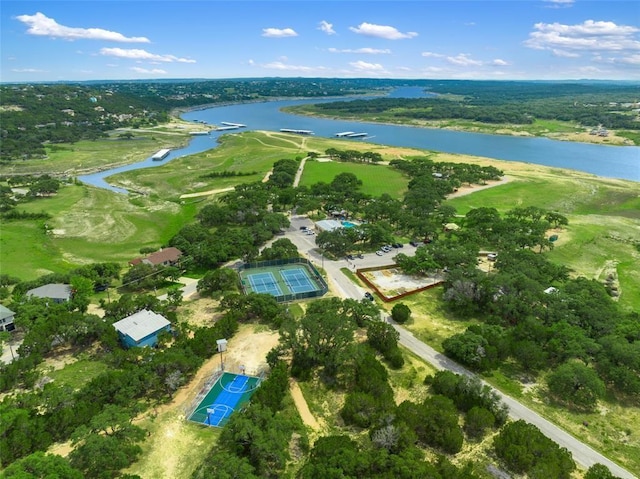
(507, 132)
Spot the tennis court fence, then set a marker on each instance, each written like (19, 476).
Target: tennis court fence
(315, 276)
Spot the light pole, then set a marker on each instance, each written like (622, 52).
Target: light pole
(222, 347)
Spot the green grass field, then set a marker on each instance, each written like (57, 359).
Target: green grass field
(394, 184)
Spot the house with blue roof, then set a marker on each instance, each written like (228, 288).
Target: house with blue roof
(141, 328)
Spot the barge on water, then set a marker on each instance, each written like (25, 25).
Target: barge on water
(344, 133)
(298, 132)
(161, 154)
(357, 135)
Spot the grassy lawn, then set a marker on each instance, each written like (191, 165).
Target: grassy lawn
(78, 373)
(87, 225)
(174, 448)
(394, 184)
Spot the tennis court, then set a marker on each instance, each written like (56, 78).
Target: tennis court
(264, 283)
(297, 280)
(227, 394)
(286, 280)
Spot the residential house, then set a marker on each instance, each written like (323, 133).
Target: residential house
(141, 328)
(165, 257)
(6, 319)
(57, 292)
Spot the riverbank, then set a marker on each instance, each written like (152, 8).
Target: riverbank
(579, 135)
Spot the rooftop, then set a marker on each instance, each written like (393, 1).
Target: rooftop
(141, 324)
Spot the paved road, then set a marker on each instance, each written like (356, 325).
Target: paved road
(582, 454)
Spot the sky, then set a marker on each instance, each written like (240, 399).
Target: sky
(79, 40)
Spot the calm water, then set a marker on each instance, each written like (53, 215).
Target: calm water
(606, 161)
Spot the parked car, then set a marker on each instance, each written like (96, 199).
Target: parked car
(368, 295)
(385, 249)
(492, 256)
(379, 253)
(414, 243)
(302, 228)
(359, 256)
(350, 256)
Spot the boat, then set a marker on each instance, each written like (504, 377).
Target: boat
(299, 132)
(161, 154)
(344, 133)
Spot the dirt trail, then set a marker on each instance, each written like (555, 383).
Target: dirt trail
(207, 193)
(467, 190)
(302, 406)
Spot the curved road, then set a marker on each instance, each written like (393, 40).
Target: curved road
(344, 287)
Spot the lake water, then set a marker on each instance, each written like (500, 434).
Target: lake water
(600, 160)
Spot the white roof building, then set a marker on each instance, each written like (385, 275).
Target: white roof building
(328, 225)
(141, 328)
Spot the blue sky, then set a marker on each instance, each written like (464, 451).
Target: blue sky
(509, 39)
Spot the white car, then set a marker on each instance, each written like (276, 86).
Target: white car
(379, 253)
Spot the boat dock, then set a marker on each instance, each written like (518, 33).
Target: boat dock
(195, 133)
(237, 125)
(299, 132)
(356, 135)
(161, 154)
(227, 128)
(344, 133)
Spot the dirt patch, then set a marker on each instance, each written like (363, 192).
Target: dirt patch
(392, 282)
(303, 408)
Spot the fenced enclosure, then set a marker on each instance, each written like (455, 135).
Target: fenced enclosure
(288, 279)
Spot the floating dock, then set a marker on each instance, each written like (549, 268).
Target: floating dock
(226, 128)
(298, 132)
(237, 125)
(356, 135)
(195, 133)
(161, 154)
(344, 133)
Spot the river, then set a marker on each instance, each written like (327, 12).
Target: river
(601, 160)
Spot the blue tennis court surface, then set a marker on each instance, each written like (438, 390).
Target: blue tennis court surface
(265, 283)
(297, 280)
(228, 393)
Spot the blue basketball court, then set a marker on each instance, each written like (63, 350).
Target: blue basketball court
(226, 395)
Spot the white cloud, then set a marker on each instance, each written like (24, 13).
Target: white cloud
(326, 27)
(279, 32)
(40, 24)
(381, 31)
(559, 3)
(499, 62)
(155, 71)
(631, 60)
(28, 70)
(463, 59)
(282, 66)
(589, 35)
(564, 53)
(138, 54)
(368, 67)
(432, 55)
(366, 51)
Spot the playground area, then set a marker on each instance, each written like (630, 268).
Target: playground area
(227, 394)
(286, 280)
